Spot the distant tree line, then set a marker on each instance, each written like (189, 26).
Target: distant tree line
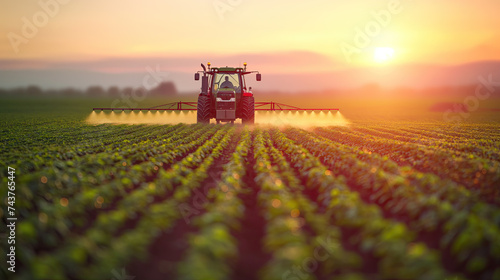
(163, 89)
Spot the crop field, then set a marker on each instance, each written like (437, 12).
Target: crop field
(368, 200)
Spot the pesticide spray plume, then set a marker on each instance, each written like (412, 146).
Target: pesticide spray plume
(141, 117)
(303, 119)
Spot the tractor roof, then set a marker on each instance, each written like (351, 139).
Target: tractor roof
(228, 69)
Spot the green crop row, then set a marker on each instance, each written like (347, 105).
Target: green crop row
(402, 195)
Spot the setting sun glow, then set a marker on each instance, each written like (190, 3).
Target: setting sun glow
(383, 54)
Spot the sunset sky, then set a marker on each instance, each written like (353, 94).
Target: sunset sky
(279, 36)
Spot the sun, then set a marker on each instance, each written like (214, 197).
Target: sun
(383, 54)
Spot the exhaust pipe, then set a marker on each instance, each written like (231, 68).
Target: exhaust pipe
(204, 81)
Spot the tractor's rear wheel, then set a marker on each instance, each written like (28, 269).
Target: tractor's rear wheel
(203, 110)
(247, 110)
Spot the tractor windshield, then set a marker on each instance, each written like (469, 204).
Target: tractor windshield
(227, 80)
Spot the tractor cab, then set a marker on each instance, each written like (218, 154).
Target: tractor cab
(224, 95)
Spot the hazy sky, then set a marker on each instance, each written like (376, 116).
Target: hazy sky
(315, 35)
(446, 31)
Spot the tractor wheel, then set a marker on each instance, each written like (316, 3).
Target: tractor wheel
(203, 110)
(247, 110)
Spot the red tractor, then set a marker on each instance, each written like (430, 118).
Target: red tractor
(224, 95)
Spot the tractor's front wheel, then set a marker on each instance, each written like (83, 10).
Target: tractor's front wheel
(247, 110)
(203, 110)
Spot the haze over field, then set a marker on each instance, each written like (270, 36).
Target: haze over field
(297, 45)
